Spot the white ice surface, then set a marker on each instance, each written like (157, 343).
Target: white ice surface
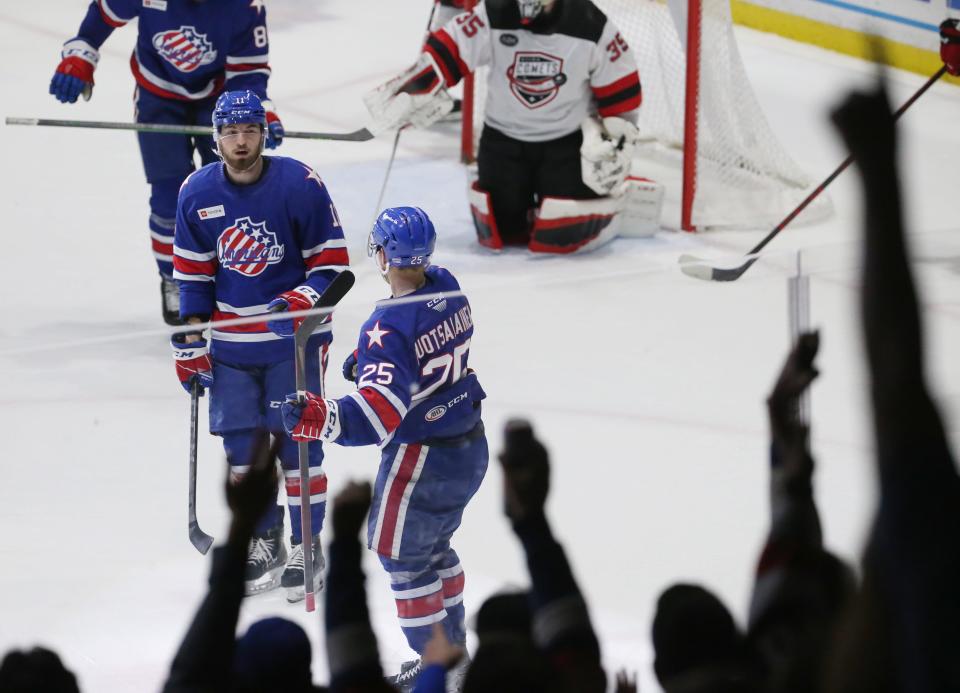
(646, 385)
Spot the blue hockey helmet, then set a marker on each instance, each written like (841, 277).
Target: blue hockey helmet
(238, 107)
(406, 235)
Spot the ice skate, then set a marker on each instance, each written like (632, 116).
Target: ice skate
(265, 560)
(407, 678)
(292, 579)
(170, 300)
(458, 673)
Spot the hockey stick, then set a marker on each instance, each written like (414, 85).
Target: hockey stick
(200, 539)
(361, 135)
(695, 267)
(335, 291)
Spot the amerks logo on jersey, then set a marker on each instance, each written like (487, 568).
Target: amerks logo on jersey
(248, 247)
(536, 78)
(184, 48)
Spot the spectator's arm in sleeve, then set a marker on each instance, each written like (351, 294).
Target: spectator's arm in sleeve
(352, 654)
(561, 621)
(205, 657)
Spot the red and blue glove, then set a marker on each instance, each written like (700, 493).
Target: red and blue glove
(193, 363)
(274, 126)
(350, 367)
(312, 419)
(950, 45)
(302, 298)
(74, 75)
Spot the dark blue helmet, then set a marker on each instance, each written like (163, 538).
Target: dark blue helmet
(406, 235)
(238, 107)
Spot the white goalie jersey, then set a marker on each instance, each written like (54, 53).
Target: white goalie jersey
(546, 76)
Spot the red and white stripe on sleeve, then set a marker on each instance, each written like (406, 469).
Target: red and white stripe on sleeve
(382, 409)
(329, 255)
(191, 266)
(109, 13)
(247, 65)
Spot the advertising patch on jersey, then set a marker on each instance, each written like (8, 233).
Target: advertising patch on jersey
(535, 77)
(248, 248)
(184, 48)
(509, 40)
(155, 5)
(435, 413)
(211, 212)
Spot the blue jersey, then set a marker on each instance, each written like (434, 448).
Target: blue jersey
(189, 50)
(413, 379)
(237, 247)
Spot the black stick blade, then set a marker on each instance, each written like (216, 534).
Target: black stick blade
(201, 540)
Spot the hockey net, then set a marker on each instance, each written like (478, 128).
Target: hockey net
(715, 153)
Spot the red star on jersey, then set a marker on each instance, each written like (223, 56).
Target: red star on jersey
(376, 335)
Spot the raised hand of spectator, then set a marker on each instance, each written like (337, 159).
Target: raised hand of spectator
(440, 650)
(249, 497)
(783, 404)
(867, 126)
(350, 507)
(626, 683)
(526, 472)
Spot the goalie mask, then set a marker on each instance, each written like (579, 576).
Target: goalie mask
(529, 10)
(406, 236)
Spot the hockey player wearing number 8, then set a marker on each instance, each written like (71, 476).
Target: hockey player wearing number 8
(256, 234)
(187, 52)
(418, 399)
(555, 155)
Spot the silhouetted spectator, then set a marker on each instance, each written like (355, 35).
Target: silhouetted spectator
(352, 653)
(34, 671)
(905, 628)
(801, 589)
(566, 654)
(274, 654)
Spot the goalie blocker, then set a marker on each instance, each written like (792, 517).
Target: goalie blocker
(565, 225)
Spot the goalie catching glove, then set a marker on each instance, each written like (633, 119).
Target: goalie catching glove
(606, 152)
(415, 97)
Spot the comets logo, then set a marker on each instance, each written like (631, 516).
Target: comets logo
(535, 78)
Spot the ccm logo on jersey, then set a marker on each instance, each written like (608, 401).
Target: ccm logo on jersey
(211, 212)
(440, 409)
(535, 77)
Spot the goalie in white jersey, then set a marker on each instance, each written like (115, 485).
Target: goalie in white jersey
(559, 123)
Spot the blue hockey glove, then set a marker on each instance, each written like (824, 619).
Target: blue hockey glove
(302, 298)
(350, 367)
(193, 361)
(274, 126)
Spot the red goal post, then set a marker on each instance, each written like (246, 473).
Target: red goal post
(704, 134)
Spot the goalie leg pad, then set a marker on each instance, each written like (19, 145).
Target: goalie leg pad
(642, 203)
(481, 209)
(563, 225)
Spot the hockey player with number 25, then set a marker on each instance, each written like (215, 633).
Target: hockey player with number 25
(417, 398)
(187, 52)
(559, 132)
(257, 234)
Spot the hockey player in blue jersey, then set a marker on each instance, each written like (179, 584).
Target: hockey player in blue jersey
(187, 52)
(417, 398)
(256, 234)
